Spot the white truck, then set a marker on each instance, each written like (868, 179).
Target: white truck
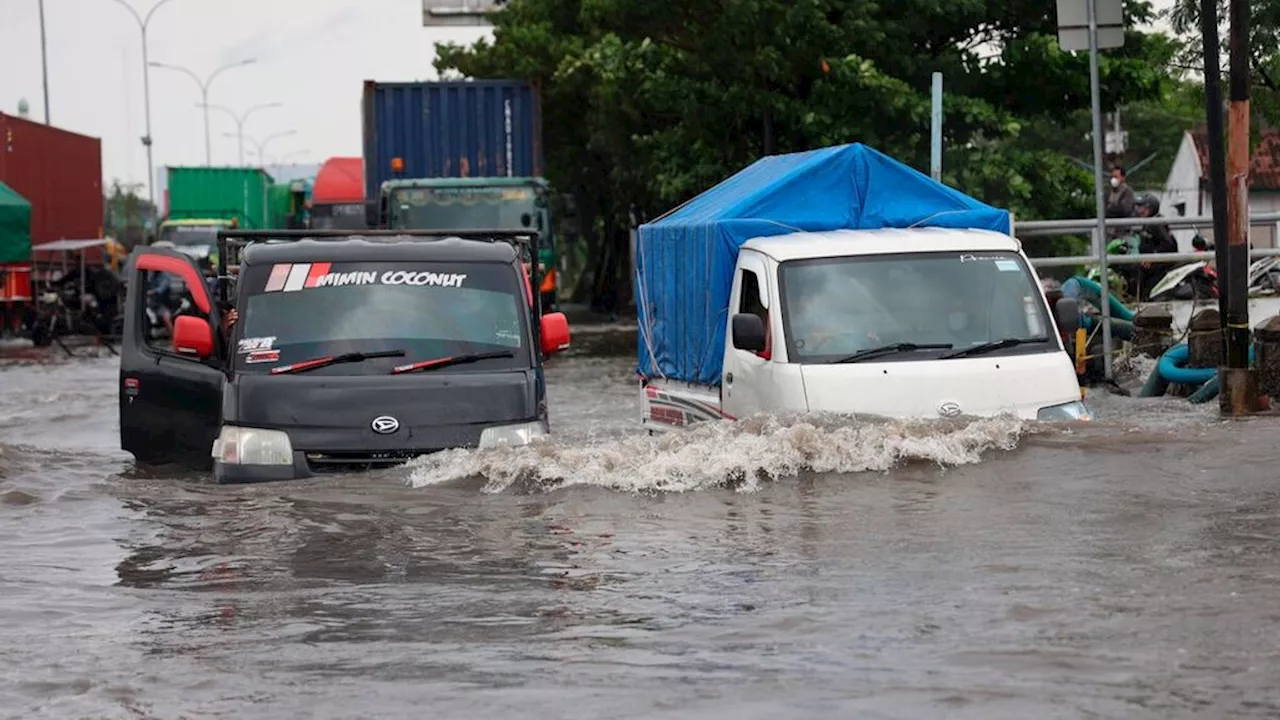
(841, 281)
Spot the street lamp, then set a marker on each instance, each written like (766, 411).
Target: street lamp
(261, 146)
(143, 23)
(240, 119)
(204, 95)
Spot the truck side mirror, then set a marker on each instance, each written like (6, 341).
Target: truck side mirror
(1067, 313)
(748, 332)
(192, 337)
(555, 333)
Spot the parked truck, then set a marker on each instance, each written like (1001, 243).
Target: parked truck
(466, 155)
(842, 281)
(203, 200)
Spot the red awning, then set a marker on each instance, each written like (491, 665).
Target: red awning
(340, 181)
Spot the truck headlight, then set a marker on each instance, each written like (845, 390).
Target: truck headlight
(512, 435)
(1074, 410)
(252, 446)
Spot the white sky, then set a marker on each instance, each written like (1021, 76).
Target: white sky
(312, 56)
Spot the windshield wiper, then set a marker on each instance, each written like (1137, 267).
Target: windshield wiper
(448, 361)
(996, 345)
(328, 360)
(894, 348)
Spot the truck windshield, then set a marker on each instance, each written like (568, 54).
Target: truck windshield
(470, 208)
(835, 307)
(188, 236)
(295, 312)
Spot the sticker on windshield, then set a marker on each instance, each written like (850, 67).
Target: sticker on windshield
(291, 277)
(978, 258)
(1007, 265)
(263, 356)
(405, 277)
(248, 345)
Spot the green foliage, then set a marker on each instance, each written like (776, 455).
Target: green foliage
(649, 102)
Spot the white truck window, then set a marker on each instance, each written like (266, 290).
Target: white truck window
(750, 302)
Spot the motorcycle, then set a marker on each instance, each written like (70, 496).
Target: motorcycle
(1199, 280)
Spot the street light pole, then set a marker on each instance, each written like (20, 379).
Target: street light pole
(44, 64)
(261, 146)
(240, 121)
(143, 24)
(204, 95)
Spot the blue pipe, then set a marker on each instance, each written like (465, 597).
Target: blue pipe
(1122, 329)
(1207, 392)
(1083, 288)
(1172, 367)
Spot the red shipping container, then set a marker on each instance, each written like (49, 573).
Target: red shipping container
(60, 174)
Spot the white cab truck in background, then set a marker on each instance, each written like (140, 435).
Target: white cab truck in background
(896, 322)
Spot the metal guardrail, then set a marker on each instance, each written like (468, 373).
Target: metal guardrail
(1032, 228)
(1181, 257)
(1103, 259)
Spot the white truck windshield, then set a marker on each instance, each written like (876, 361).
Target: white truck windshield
(294, 312)
(835, 307)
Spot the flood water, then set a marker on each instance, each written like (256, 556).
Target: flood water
(766, 569)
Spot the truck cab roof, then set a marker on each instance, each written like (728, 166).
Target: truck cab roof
(842, 243)
(396, 248)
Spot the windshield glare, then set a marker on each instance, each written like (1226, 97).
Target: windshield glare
(302, 311)
(473, 208)
(190, 235)
(834, 307)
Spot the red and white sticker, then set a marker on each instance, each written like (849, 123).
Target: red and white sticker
(292, 277)
(263, 356)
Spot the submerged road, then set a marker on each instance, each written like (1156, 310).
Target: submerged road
(759, 570)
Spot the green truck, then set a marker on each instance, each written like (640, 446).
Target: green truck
(476, 203)
(202, 200)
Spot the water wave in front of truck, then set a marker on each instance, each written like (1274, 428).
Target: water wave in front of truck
(735, 455)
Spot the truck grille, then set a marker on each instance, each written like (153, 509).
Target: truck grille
(323, 463)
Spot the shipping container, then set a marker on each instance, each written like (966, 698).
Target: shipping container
(473, 128)
(60, 174)
(219, 193)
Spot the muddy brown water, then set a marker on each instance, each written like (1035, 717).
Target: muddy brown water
(771, 569)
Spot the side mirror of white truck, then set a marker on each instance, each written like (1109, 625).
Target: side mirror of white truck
(748, 332)
(1067, 313)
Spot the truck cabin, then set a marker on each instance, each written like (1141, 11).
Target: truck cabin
(348, 353)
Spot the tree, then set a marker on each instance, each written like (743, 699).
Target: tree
(648, 103)
(127, 213)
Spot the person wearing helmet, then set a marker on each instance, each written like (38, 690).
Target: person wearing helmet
(1155, 239)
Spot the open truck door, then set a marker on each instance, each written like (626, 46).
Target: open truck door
(171, 361)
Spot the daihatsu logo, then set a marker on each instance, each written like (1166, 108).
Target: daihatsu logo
(385, 425)
(949, 409)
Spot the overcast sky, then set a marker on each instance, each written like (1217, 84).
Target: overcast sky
(312, 56)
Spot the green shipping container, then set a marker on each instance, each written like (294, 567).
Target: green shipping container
(280, 203)
(207, 193)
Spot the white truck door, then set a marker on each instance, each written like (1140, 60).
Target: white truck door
(746, 374)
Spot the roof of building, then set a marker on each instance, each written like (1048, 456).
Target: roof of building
(1264, 168)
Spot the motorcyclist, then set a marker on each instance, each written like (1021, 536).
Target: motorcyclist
(1155, 239)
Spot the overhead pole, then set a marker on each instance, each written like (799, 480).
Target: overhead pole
(1239, 386)
(935, 144)
(1092, 25)
(44, 64)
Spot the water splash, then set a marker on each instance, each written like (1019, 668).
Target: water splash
(738, 455)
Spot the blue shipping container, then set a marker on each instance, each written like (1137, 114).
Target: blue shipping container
(471, 128)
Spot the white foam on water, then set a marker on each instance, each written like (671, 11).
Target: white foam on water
(725, 454)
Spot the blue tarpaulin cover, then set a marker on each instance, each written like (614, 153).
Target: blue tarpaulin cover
(686, 258)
